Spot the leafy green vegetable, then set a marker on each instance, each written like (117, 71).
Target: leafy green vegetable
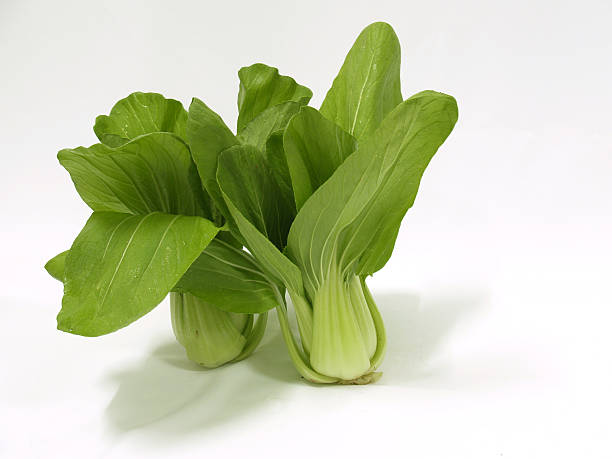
(141, 177)
(138, 114)
(350, 201)
(349, 222)
(316, 198)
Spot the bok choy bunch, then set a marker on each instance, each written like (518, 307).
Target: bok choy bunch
(320, 206)
(155, 229)
(298, 203)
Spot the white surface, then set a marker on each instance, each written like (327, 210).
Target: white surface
(497, 299)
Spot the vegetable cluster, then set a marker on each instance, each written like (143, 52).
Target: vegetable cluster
(299, 203)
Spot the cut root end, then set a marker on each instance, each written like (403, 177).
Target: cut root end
(365, 379)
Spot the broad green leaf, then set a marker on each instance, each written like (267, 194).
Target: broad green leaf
(261, 87)
(138, 114)
(55, 266)
(121, 266)
(207, 136)
(228, 278)
(352, 219)
(314, 148)
(368, 84)
(270, 121)
(151, 173)
(252, 198)
(251, 186)
(277, 162)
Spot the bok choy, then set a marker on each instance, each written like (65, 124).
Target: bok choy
(332, 190)
(156, 231)
(297, 204)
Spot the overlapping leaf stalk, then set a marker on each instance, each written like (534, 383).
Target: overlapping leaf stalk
(315, 196)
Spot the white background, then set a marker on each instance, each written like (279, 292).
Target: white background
(498, 297)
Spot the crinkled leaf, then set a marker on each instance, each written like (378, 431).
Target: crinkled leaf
(314, 148)
(151, 173)
(55, 266)
(252, 198)
(262, 87)
(121, 266)
(228, 278)
(271, 120)
(353, 218)
(138, 114)
(368, 84)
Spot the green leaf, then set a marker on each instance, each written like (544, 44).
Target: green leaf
(151, 173)
(368, 84)
(207, 136)
(272, 120)
(314, 148)
(121, 266)
(55, 266)
(138, 114)
(277, 162)
(228, 278)
(251, 186)
(351, 221)
(261, 87)
(252, 197)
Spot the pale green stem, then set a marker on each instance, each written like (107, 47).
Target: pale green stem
(254, 338)
(363, 315)
(381, 334)
(338, 345)
(209, 335)
(297, 355)
(303, 313)
(248, 324)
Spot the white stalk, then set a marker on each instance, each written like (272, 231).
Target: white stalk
(341, 339)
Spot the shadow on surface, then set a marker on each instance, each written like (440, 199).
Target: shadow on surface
(169, 395)
(417, 330)
(163, 384)
(273, 359)
(167, 385)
